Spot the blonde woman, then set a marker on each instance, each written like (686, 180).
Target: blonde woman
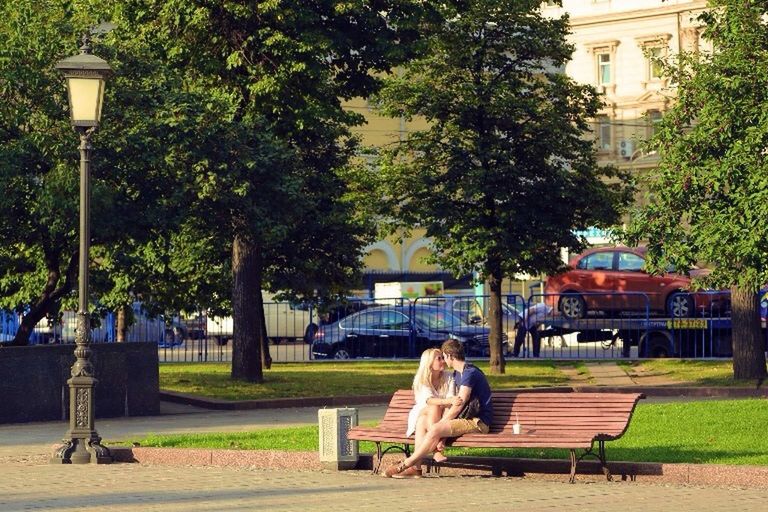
(434, 391)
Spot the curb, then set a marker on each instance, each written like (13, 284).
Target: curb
(340, 401)
(682, 391)
(276, 403)
(645, 472)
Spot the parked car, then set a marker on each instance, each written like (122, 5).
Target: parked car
(465, 307)
(612, 279)
(388, 331)
(330, 312)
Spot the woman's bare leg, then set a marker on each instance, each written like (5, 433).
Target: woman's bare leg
(435, 414)
(422, 424)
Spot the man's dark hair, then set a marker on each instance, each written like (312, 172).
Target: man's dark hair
(453, 348)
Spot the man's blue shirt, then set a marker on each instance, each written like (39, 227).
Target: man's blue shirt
(474, 378)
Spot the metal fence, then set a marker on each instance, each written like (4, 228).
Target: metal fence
(586, 326)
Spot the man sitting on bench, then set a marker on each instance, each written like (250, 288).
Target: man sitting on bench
(473, 384)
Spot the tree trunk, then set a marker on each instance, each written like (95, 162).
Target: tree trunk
(246, 321)
(748, 342)
(48, 297)
(122, 324)
(497, 362)
(28, 323)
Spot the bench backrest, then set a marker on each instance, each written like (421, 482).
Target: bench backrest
(604, 416)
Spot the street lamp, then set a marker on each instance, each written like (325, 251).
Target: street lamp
(86, 75)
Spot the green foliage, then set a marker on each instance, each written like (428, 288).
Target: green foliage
(220, 120)
(277, 171)
(153, 130)
(503, 176)
(708, 199)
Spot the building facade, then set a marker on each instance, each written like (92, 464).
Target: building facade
(615, 42)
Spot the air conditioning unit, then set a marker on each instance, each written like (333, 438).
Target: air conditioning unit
(337, 451)
(626, 148)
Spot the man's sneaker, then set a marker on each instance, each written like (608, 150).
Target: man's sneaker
(411, 472)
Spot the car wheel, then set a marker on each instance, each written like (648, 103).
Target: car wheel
(341, 353)
(572, 306)
(680, 305)
(309, 334)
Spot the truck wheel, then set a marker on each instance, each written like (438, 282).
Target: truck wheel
(221, 341)
(572, 305)
(657, 346)
(680, 305)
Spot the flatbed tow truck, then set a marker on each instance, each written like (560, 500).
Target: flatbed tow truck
(654, 337)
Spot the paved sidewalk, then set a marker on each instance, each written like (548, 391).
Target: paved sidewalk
(609, 374)
(22, 440)
(123, 487)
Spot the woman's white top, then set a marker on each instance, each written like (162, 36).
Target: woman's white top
(423, 394)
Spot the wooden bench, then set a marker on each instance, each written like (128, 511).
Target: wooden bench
(569, 420)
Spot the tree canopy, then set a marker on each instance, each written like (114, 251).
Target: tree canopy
(708, 198)
(133, 178)
(273, 183)
(503, 176)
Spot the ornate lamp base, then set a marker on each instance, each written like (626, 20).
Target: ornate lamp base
(83, 444)
(81, 451)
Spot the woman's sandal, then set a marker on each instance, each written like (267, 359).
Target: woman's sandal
(439, 457)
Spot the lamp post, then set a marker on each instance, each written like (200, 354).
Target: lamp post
(86, 75)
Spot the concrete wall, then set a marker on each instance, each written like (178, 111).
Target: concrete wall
(33, 381)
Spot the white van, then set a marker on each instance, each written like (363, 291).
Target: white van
(286, 321)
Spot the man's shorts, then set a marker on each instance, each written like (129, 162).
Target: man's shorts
(465, 426)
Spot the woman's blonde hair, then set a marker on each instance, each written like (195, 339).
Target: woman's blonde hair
(423, 375)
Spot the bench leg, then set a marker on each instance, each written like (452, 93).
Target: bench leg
(379, 455)
(600, 456)
(603, 461)
(574, 461)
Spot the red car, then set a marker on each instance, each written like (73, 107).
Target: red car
(613, 279)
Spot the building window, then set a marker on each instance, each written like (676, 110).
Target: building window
(604, 69)
(605, 57)
(604, 140)
(654, 47)
(654, 118)
(654, 67)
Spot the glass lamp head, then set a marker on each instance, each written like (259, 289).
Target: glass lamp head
(86, 75)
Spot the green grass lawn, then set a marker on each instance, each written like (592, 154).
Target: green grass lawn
(287, 380)
(712, 431)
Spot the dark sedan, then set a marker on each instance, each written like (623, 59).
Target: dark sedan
(396, 331)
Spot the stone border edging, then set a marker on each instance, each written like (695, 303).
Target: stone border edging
(274, 403)
(647, 472)
(339, 401)
(683, 391)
